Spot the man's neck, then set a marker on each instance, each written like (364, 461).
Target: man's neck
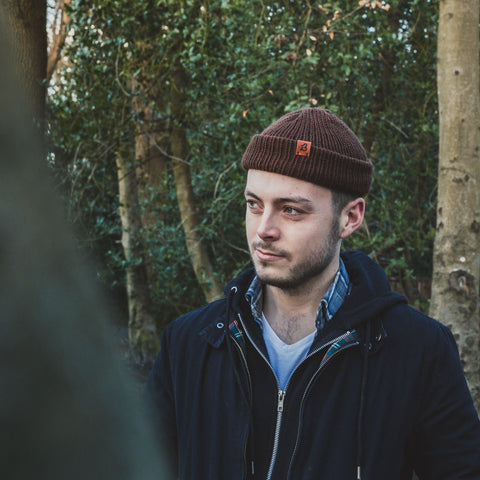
(292, 314)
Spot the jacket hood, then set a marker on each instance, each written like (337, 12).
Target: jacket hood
(370, 294)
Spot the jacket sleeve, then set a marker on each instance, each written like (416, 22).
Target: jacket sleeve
(159, 398)
(448, 431)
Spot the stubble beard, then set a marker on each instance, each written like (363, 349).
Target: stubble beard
(299, 275)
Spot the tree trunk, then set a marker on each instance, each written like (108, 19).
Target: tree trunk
(150, 172)
(59, 35)
(455, 289)
(202, 266)
(142, 330)
(27, 22)
(150, 168)
(150, 156)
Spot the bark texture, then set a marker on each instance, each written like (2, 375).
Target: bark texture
(59, 35)
(142, 330)
(201, 263)
(456, 274)
(26, 20)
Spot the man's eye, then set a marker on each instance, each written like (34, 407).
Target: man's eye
(252, 204)
(292, 211)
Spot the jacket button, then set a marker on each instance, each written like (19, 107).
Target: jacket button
(220, 325)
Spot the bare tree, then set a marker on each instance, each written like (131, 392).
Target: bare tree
(199, 257)
(456, 274)
(142, 331)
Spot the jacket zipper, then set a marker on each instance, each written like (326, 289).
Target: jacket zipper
(281, 396)
(281, 393)
(276, 438)
(305, 393)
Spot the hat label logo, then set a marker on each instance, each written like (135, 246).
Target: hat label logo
(303, 148)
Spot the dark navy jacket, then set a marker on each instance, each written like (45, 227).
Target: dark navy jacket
(380, 395)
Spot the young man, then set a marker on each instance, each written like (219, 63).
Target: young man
(311, 367)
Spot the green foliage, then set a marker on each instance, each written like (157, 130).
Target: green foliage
(247, 63)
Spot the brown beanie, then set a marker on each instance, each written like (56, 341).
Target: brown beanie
(312, 144)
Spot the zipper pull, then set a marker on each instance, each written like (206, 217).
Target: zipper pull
(281, 396)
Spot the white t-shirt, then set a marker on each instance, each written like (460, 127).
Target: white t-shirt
(283, 357)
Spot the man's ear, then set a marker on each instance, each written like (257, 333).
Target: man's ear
(351, 217)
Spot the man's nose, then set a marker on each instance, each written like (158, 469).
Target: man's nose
(268, 228)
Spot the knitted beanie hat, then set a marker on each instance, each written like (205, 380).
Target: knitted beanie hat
(312, 144)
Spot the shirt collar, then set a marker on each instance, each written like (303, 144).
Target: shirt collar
(327, 308)
(254, 297)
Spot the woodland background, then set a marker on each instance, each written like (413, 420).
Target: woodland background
(148, 105)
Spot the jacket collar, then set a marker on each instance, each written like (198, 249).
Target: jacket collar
(369, 297)
(214, 332)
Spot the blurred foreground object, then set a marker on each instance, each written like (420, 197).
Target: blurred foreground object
(67, 406)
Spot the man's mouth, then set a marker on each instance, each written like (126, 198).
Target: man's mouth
(267, 255)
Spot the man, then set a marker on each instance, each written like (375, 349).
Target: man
(311, 367)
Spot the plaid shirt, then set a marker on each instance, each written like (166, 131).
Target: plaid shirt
(327, 308)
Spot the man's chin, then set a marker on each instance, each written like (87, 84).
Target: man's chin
(264, 273)
(274, 276)
(273, 279)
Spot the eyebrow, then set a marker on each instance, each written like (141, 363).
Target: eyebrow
(292, 199)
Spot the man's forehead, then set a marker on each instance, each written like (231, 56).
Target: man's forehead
(261, 182)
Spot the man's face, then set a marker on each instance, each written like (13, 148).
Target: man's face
(292, 232)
